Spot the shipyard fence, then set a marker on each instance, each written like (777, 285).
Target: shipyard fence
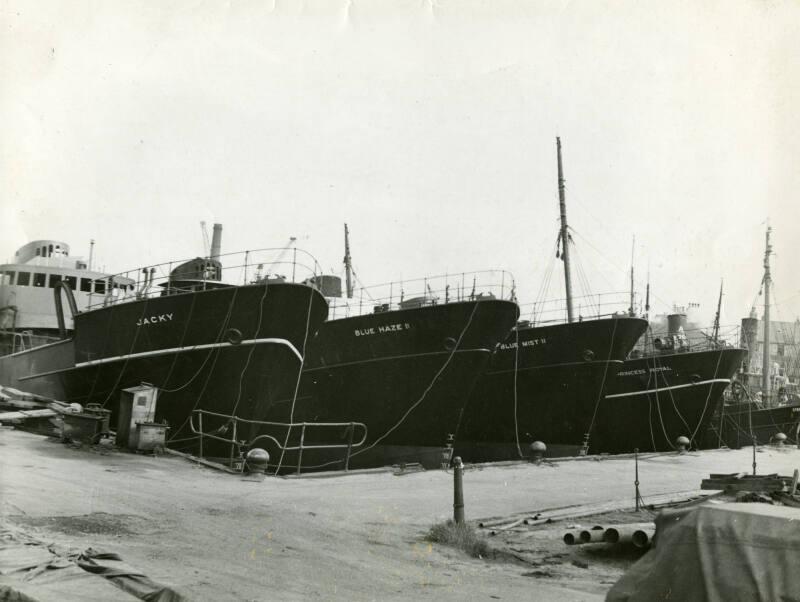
(215, 426)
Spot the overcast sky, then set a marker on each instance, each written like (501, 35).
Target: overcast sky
(428, 126)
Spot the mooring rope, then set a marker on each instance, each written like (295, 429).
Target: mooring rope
(299, 378)
(601, 392)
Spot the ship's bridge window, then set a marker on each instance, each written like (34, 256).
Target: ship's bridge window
(39, 279)
(38, 251)
(86, 285)
(100, 286)
(24, 279)
(72, 282)
(10, 274)
(54, 279)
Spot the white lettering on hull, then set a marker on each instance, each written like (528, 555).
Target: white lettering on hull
(154, 319)
(643, 371)
(383, 329)
(528, 343)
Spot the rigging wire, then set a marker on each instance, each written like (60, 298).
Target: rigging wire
(299, 378)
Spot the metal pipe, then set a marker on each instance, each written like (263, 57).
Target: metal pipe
(593, 535)
(627, 533)
(642, 538)
(572, 538)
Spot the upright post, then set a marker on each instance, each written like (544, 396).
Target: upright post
(458, 490)
(201, 434)
(349, 446)
(636, 481)
(233, 441)
(300, 451)
(754, 456)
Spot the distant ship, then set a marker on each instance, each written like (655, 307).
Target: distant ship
(547, 380)
(668, 388)
(763, 402)
(203, 342)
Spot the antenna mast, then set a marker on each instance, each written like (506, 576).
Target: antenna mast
(564, 234)
(348, 266)
(716, 318)
(767, 281)
(632, 310)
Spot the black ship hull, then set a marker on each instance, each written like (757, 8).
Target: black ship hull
(232, 350)
(406, 375)
(544, 384)
(736, 425)
(656, 399)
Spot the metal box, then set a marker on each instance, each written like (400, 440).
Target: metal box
(136, 405)
(150, 436)
(81, 428)
(95, 409)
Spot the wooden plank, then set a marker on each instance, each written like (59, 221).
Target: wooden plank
(201, 461)
(23, 414)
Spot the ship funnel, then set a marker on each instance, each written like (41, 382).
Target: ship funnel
(216, 241)
(675, 322)
(750, 333)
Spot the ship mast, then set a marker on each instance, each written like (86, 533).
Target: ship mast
(348, 266)
(564, 235)
(767, 281)
(716, 318)
(631, 310)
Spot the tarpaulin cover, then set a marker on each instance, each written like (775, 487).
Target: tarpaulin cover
(724, 552)
(32, 571)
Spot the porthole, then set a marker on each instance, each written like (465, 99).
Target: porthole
(234, 336)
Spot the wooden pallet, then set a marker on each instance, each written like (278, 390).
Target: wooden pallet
(744, 482)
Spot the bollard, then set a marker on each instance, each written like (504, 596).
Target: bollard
(682, 443)
(458, 491)
(538, 450)
(256, 460)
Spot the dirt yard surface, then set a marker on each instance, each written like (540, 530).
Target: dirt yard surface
(215, 536)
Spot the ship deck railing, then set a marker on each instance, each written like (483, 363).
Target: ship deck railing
(585, 307)
(657, 341)
(25, 340)
(268, 265)
(423, 292)
(231, 423)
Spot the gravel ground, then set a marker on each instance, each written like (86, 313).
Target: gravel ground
(215, 536)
